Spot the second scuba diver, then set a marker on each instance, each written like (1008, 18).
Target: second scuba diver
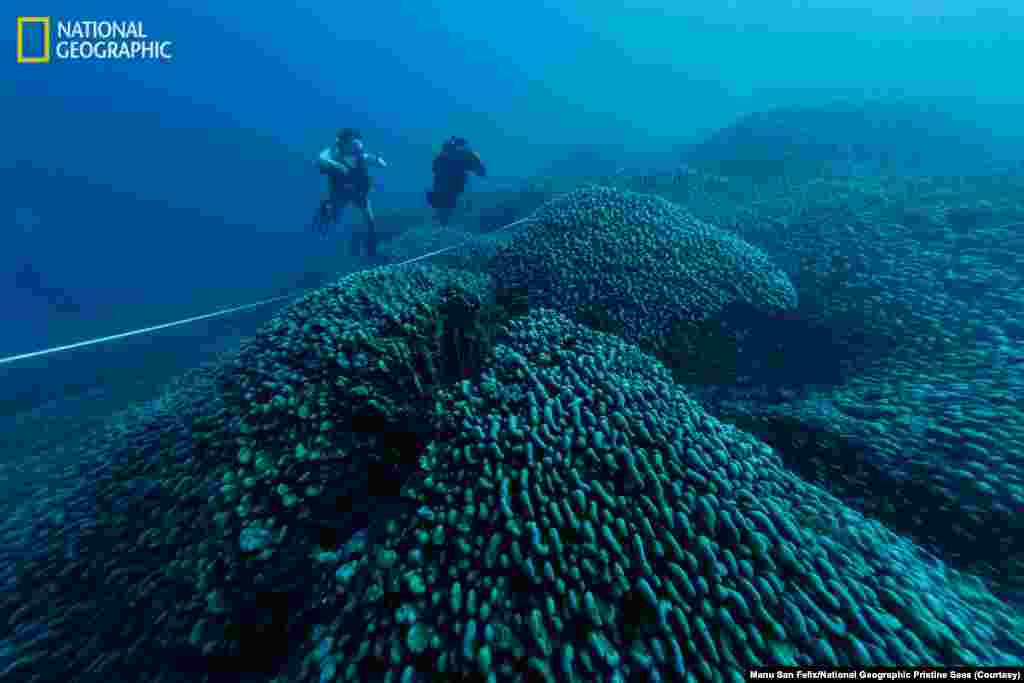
(452, 167)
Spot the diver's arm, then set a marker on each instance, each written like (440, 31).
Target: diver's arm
(478, 165)
(376, 160)
(327, 163)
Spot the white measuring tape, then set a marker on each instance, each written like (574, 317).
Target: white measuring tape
(226, 311)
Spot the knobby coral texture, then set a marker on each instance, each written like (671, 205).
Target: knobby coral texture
(585, 520)
(645, 260)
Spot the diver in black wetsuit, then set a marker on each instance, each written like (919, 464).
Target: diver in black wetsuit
(451, 171)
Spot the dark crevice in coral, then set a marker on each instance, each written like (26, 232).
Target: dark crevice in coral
(261, 634)
(469, 330)
(743, 345)
(638, 617)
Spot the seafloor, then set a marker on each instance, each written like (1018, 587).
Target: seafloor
(670, 428)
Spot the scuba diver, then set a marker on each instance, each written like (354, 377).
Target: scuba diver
(452, 167)
(346, 164)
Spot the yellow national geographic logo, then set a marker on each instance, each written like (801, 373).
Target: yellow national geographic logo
(44, 24)
(76, 40)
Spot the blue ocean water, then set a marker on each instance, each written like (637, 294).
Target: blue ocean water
(720, 364)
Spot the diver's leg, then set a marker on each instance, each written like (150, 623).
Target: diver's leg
(338, 203)
(333, 201)
(445, 210)
(322, 220)
(371, 229)
(355, 235)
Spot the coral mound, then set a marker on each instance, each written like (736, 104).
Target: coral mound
(645, 262)
(584, 520)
